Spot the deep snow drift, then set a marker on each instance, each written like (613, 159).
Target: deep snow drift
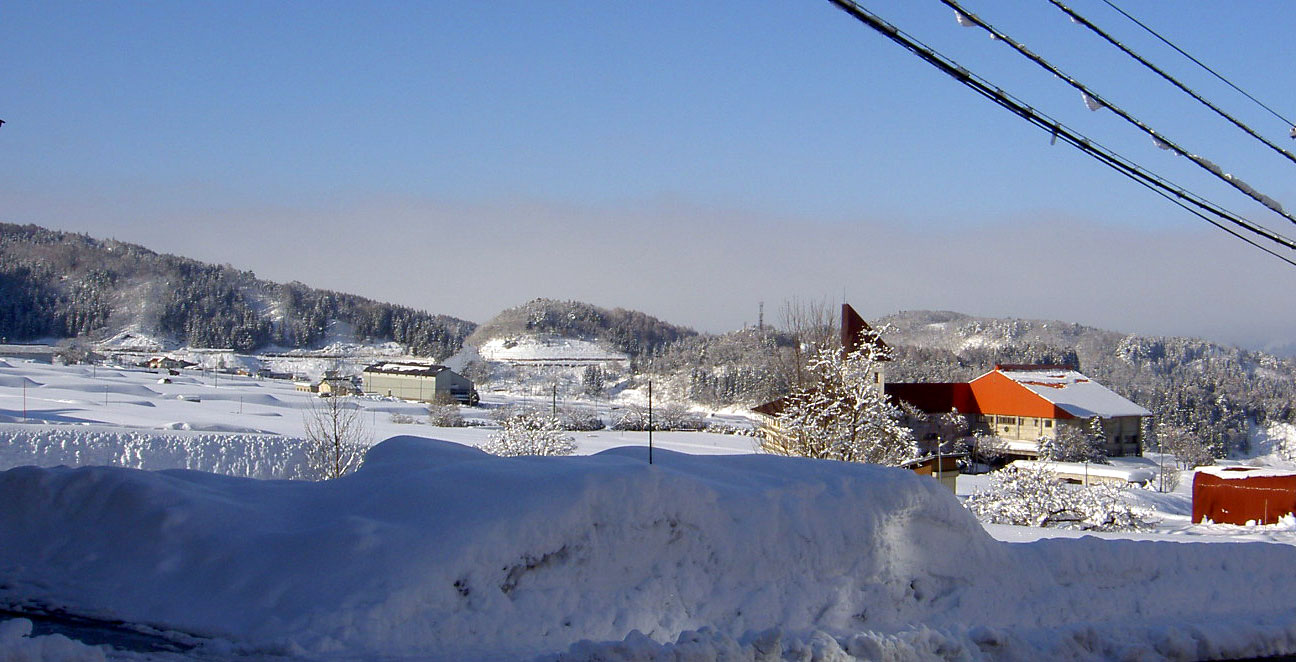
(438, 551)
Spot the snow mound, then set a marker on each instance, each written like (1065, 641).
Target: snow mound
(436, 551)
(209, 426)
(17, 645)
(253, 455)
(17, 381)
(101, 387)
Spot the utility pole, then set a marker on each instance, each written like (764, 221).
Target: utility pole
(555, 402)
(24, 383)
(650, 423)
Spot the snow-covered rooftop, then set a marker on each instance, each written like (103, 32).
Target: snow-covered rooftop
(402, 368)
(1072, 391)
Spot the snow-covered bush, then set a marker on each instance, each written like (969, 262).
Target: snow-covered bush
(1035, 496)
(676, 416)
(530, 433)
(580, 420)
(632, 418)
(445, 416)
(402, 419)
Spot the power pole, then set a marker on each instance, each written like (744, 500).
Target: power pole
(650, 423)
(760, 318)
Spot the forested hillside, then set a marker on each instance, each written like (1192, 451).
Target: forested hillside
(630, 331)
(62, 285)
(1210, 390)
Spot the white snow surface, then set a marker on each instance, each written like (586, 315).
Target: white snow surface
(437, 551)
(546, 348)
(1075, 393)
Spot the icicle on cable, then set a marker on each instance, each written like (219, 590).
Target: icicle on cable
(1182, 197)
(1081, 20)
(1175, 147)
(1201, 64)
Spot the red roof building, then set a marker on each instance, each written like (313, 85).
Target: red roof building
(1022, 404)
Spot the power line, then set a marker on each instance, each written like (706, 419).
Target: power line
(1177, 194)
(1199, 63)
(1125, 49)
(1094, 101)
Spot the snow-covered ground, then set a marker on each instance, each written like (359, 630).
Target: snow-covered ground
(436, 551)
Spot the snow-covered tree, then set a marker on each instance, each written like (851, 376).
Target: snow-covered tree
(1034, 496)
(986, 448)
(1074, 443)
(530, 433)
(841, 413)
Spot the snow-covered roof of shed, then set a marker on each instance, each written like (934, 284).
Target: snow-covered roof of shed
(414, 369)
(1072, 391)
(1241, 473)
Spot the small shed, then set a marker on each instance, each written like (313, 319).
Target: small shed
(944, 468)
(1238, 495)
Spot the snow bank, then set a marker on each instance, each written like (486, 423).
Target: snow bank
(249, 455)
(17, 645)
(438, 551)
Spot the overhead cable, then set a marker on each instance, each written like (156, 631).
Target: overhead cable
(1196, 204)
(1199, 63)
(1157, 70)
(1091, 97)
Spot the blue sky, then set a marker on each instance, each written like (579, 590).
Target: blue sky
(689, 159)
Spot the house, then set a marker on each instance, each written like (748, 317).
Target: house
(944, 468)
(168, 363)
(418, 381)
(330, 386)
(1022, 404)
(39, 353)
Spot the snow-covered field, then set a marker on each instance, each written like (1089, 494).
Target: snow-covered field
(436, 551)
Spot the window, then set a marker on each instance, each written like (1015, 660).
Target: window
(1048, 423)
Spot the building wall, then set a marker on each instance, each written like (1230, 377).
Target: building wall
(406, 387)
(416, 387)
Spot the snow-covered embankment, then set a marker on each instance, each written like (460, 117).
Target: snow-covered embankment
(439, 551)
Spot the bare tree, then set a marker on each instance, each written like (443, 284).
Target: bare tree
(1189, 449)
(336, 436)
(809, 325)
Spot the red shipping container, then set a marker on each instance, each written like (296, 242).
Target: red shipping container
(1237, 495)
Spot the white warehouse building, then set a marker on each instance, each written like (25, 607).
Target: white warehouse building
(418, 381)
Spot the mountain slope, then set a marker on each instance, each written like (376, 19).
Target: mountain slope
(60, 285)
